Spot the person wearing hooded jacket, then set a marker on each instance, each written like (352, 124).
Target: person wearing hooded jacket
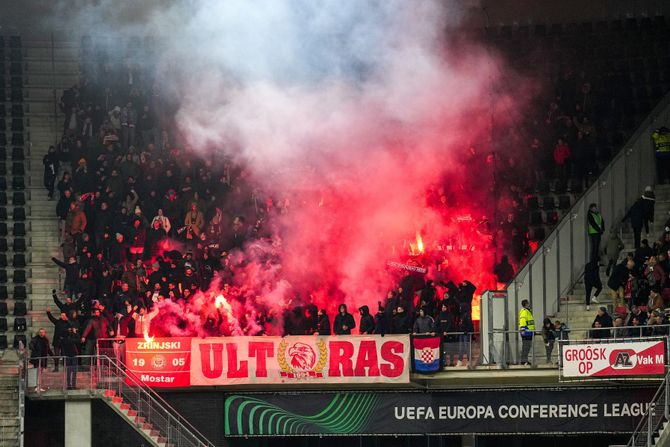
(648, 205)
(424, 324)
(324, 323)
(366, 324)
(344, 321)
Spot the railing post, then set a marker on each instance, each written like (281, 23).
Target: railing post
(650, 413)
(666, 407)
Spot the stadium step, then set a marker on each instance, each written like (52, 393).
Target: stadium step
(134, 419)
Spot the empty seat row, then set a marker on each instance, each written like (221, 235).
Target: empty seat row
(549, 203)
(18, 198)
(18, 260)
(17, 139)
(18, 214)
(15, 111)
(19, 245)
(18, 153)
(19, 276)
(18, 229)
(20, 292)
(20, 324)
(18, 168)
(20, 309)
(18, 182)
(16, 124)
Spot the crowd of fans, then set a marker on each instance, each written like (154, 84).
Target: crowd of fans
(126, 190)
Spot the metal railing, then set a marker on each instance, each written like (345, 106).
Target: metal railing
(506, 347)
(652, 421)
(104, 374)
(552, 271)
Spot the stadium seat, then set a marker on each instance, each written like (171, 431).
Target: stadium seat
(536, 218)
(19, 245)
(19, 277)
(18, 183)
(3, 260)
(19, 339)
(20, 309)
(3, 324)
(19, 199)
(17, 125)
(3, 244)
(17, 139)
(17, 110)
(20, 293)
(19, 229)
(18, 154)
(3, 228)
(18, 169)
(3, 214)
(19, 214)
(538, 234)
(20, 324)
(17, 95)
(3, 136)
(552, 217)
(548, 203)
(3, 276)
(3, 309)
(564, 203)
(3, 184)
(15, 42)
(3, 168)
(19, 261)
(3, 341)
(3, 198)
(3, 293)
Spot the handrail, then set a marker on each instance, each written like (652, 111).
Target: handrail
(156, 402)
(647, 418)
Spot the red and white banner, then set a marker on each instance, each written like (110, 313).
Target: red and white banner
(634, 358)
(300, 360)
(221, 361)
(161, 362)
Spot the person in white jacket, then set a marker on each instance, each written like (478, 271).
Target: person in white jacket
(143, 320)
(163, 220)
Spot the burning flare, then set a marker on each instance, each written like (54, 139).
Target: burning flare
(417, 248)
(147, 338)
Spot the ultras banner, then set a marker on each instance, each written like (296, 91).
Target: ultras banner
(569, 410)
(300, 360)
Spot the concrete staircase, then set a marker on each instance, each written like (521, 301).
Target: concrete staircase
(50, 67)
(573, 306)
(131, 416)
(9, 411)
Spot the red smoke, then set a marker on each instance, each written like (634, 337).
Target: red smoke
(352, 171)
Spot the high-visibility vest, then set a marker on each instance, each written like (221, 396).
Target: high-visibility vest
(661, 139)
(599, 221)
(526, 320)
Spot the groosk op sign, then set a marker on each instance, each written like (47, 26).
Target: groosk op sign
(632, 358)
(217, 361)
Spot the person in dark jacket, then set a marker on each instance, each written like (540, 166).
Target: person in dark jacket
(592, 281)
(637, 216)
(39, 349)
(549, 337)
(445, 325)
(595, 230)
(324, 323)
(366, 324)
(60, 331)
(381, 321)
(504, 271)
(70, 349)
(602, 320)
(401, 323)
(69, 305)
(618, 279)
(344, 321)
(50, 162)
(648, 204)
(424, 324)
(98, 327)
(71, 273)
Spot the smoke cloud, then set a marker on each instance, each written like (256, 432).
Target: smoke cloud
(349, 114)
